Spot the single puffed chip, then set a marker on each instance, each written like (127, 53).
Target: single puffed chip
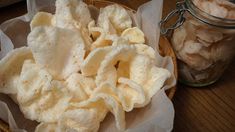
(178, 38)
(46, 127)
(102, 39)
(92, 62)
(117, 40)
(108, 94)
(123, 69)
(139, 68)
(79, 120)
(108, 30)
(93, 30)
(60, 51)
(134, 35)
(115, 15)
(213, 53)
(48, 107)
(41, 19)
(107, 70)
(209, 36)
(84, 116)
(109, 27)
(196, 61)
(80, 86)
(31, 82)
(214, 9)
(11, 66)
(87, 39)
(141, 49)
(39, 97)
(222, 52)
(92, 103)
(225, 3)
(191, 47)
(75, 15)
(71, 14)
(157, 78)
(203, 43)
(144, 49)
(130, 94)
(105, 98)
(150, 77)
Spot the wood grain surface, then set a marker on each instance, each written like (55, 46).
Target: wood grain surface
(196, 109)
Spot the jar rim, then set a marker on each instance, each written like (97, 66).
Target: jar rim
(208, 18)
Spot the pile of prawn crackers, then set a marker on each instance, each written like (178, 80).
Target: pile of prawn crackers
(75, 69)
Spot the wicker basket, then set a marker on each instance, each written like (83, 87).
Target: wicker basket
(4, 126)
(165, 50)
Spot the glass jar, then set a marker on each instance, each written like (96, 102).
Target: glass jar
(203, 43)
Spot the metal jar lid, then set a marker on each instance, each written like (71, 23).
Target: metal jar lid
(188, 6)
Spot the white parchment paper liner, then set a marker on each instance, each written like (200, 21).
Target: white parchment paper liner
(158, 116)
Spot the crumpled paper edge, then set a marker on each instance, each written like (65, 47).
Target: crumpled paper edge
(160, 99)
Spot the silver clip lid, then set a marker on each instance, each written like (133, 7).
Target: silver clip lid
(179, 11)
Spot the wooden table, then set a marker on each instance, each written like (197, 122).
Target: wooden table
(196, 109)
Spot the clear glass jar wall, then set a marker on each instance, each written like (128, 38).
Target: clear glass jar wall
(204, 45)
